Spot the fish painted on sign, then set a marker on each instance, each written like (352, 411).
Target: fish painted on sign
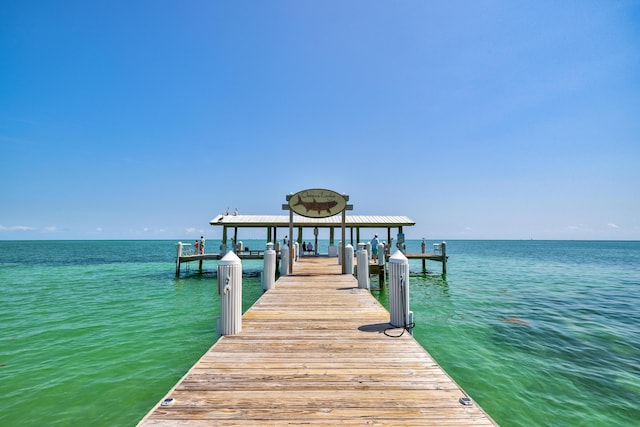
(313, 205)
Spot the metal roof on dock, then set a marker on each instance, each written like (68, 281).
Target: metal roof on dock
(370, 221)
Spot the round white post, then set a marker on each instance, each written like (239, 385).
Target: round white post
(399, 290)
(277, 249)
(269, 271)
(381, 254)
(369, 253)
(339, 253)
(296, 250)
(230, 290)
(333, 250)
(348, 259)
(284, 260)
(363, 266)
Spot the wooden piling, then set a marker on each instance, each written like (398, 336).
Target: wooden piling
(178, 255)
(444, 257)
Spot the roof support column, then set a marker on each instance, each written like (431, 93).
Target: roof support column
(344, 237)
(290, 241)
(223, 246)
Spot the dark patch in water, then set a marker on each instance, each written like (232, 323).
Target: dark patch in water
(515, 320)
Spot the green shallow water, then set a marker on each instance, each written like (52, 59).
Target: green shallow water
(538, 333)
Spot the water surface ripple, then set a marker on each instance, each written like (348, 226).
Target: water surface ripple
(538, 333)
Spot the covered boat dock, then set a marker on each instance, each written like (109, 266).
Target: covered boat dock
(271, 224)
(232, 224)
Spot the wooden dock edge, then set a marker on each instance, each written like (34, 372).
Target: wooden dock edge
(312, 352)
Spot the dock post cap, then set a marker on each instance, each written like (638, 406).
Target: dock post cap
(398, 258)
(229, 258)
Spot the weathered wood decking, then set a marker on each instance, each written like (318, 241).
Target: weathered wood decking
(313, 352)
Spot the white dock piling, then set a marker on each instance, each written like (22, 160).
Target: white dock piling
(399, 290)
(363, 266)
(332, 250)
(269, 272)
(284, 260)
(348, 259)
(230, 290)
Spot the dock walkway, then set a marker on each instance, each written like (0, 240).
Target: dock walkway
(313, 351)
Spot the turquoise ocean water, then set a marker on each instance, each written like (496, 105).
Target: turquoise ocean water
(539, 333)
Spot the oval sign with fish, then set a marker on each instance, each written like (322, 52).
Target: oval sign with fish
(317, 203)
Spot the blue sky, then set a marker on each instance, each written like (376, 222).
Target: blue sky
(477, 119)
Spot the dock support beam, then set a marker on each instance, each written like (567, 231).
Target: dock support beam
(382, 258)
(342, 243)
(201, 251)
(178, 255)
(444, 257)
(290, 255)
(223, 245)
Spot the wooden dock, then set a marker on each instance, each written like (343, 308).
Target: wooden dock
(313, 351)
(199, 258)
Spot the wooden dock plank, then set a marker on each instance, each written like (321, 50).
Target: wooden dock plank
(313, 351)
